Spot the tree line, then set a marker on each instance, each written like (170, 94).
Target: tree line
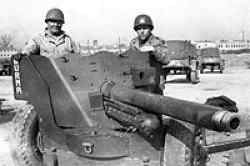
(6, 41)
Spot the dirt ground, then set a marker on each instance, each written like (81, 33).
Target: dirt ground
(6, 93)
(234, 83)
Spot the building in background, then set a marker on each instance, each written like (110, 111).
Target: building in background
(225, 46)
(204, 44)
(95, 47)
(5, 63)
(234, 46)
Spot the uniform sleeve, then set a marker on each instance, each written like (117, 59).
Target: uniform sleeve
(74, 47)
(132, 45)
(31, 47)
(161, 52)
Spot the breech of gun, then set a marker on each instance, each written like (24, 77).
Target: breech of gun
(133, 118)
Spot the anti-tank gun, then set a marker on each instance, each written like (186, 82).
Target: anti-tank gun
(87, 111)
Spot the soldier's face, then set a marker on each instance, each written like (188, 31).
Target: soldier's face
(143, 32)
(54, 27)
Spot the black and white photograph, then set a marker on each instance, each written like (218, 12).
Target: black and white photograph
(125, 83)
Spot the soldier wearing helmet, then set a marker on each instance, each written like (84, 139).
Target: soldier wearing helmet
(147, 42)
(53, 40)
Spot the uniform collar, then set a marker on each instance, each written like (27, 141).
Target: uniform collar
(47, 34)
(147, 40)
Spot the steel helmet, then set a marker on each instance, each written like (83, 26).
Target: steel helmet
(143, 19)
(54, 14)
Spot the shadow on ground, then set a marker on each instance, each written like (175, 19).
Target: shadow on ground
(178, 80)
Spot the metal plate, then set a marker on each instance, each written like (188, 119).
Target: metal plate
(99, 147)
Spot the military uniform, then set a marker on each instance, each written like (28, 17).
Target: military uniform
(159, 45)
(48, 45)
(157, 57)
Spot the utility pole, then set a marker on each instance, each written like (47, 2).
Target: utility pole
(243, 35)
(119, 46)
(88, 47)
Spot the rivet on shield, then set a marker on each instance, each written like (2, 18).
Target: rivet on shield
(88, 147)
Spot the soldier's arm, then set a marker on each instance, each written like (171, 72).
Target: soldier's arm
(31, 47)
(161, 52)
(132, 45)
(73, 47)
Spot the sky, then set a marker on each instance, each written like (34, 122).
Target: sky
(108, 20)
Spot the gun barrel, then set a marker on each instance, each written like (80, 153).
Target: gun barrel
(207, 116)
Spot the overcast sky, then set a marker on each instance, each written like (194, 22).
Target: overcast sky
(106, 20)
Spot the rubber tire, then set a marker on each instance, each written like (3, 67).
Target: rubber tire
(9, 71)
(202, 70)
(203, 67)
(220, 68)
(188, 75)
(23, 140)
(193, 77)
(212, 69)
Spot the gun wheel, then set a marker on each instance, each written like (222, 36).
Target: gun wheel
(24, 138)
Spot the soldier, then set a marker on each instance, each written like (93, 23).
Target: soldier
(157, 47)
(53, 41)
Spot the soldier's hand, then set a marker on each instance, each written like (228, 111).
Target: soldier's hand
(19, 56)
(162, 85)
(147, 49)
